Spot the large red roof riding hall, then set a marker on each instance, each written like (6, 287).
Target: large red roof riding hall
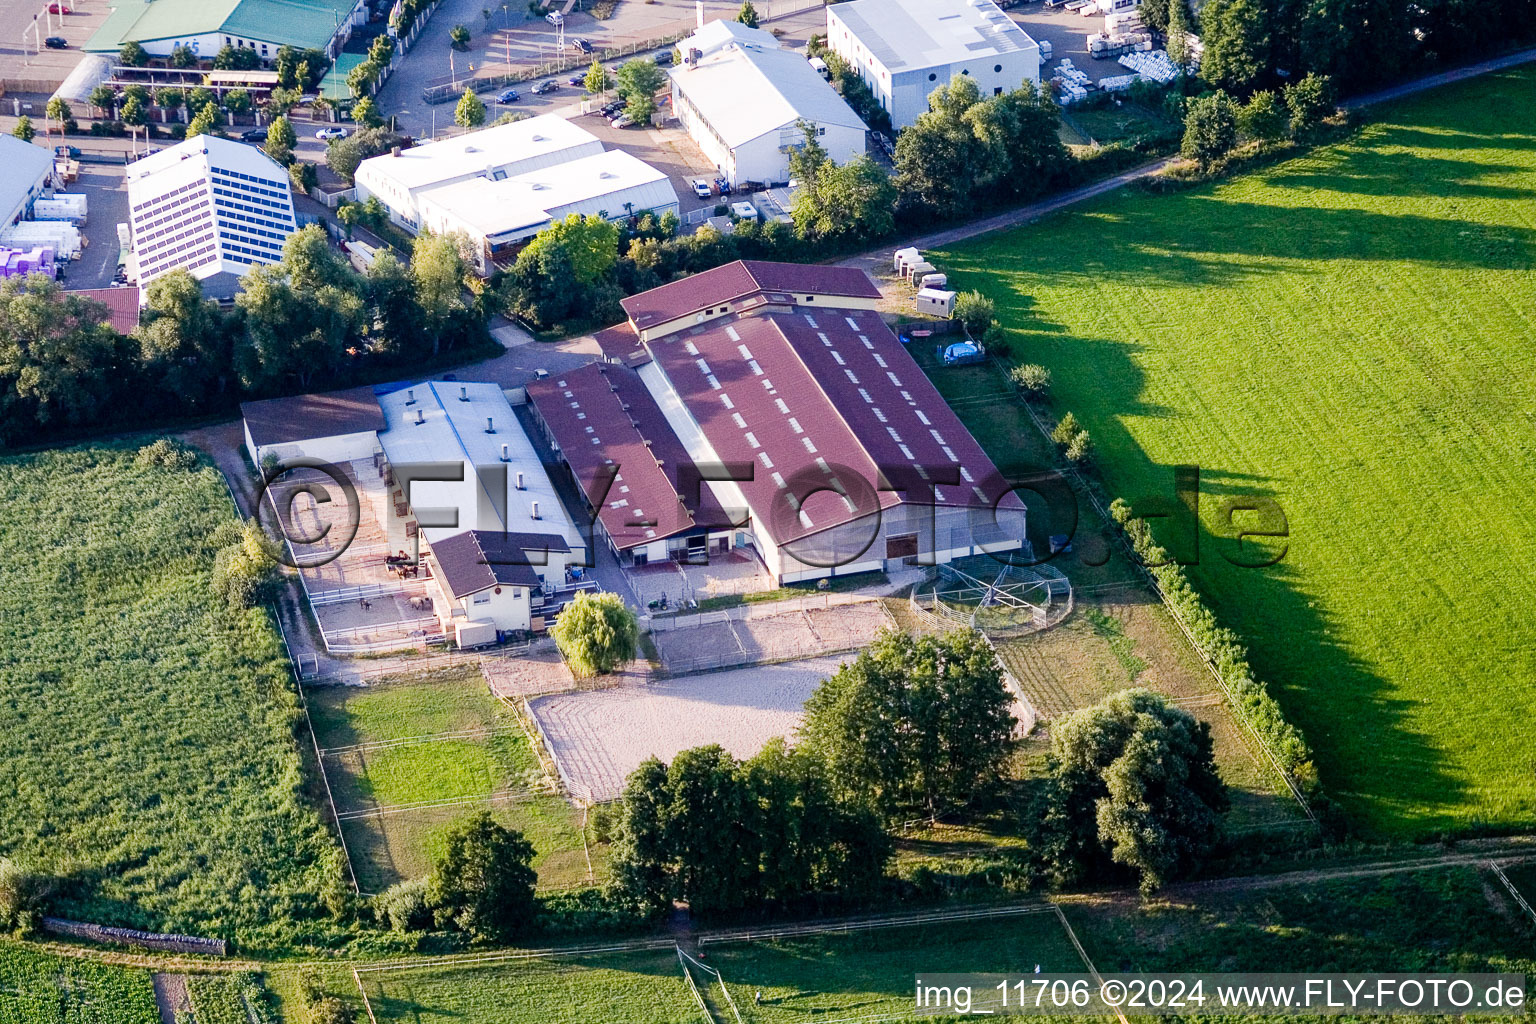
(613, 435)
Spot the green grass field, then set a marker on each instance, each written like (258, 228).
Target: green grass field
(615, 988)
(868, 976)
(1349, 333)
(146, 732)
(38, 988)
(420, 755)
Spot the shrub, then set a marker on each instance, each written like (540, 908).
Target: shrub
(23, 895)
(1078, 448)
(164, 452)
(1262, 118)
(975, 311)
(1066, 429)
(246, 569)
(1210, 128)
(1032, 379)
(1309, 101)
(404, 906)
(330, 1010)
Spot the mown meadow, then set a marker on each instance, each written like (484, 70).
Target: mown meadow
(1349, 334)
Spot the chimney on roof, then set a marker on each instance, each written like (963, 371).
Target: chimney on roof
(463, 393)
(533, 507)
(508, 458)
(420, 418)
(520, 485)
(490, 425)
(410, 396)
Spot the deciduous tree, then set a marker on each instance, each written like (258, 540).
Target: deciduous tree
(1210, 128)
(470, 112)
(281, 138)
(596, 633)
(483, 883)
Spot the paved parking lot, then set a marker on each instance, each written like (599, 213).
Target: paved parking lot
(1067, 32)
(18, 64)
(107, 207)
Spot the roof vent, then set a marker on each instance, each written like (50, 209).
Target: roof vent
(508, 458)
(490, 425)
(463, 393)
(533, 510)
(607, 174)
(520, 485)
(471, 149)
(540, 138)
(410, 396)
(420, 419)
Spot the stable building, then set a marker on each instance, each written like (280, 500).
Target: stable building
(905, 49)
(841, 456)
(743, 98)
(28, 175)
(210, 206)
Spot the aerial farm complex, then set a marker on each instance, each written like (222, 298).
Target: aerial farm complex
(766, 511)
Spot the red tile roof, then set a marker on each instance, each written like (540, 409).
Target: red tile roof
(734, 282)
(122, 305)
(602, 416)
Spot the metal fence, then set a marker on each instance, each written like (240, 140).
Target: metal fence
(741, 613)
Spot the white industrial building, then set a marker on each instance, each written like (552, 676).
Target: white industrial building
(210, 206)
(905, 49)
(28, 173)
(503, 185)
(742, 98)
(499, 214)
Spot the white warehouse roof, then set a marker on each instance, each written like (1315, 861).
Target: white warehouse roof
(510, 149)
(601, 183)
(26, 165)
(749, 87)
(908, 34)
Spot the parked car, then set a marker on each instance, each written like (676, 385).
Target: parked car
(583, 45)
(60, 9)
(56, 43)
(664, 58)
(544, 87)
(254, 135)
(622, 121)
(613, 109)
(580, 79)
(509, 95)
(72, 152)
(331, 133)
(701, 188)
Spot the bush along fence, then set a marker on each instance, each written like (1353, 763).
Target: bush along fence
(1225, 653)
(1220, 648)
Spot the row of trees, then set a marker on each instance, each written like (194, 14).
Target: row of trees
(1215, 123)
(1251, 44)
(307, 321)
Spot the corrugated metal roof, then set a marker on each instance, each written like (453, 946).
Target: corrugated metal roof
(613, 435)
(734, 282)
(747, 89)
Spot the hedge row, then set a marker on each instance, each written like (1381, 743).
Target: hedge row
(1223, 649)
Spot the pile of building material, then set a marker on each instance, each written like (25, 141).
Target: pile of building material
(1072, 84)
(1118, 83)
(21, 262)
(1103, 47)
(69, 207)
(1152, 64)
(62, 238)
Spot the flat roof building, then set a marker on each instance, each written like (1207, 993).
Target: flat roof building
(505, 184)
(842, 455)
(905, 49)
(28, 173)
(210, 206)
(742, 97)
(206, 26)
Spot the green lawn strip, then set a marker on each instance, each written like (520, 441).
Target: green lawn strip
(869, 975)
(39, 988)
(1437, 920)
(644, 987)
(229, 999)
(1328, 332)
(147, 731)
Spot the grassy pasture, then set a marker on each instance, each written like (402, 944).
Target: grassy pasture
(1119, 635)
(645, 987)
(419, 755)
(1348, 333)
(39, 988)
(146, 731)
